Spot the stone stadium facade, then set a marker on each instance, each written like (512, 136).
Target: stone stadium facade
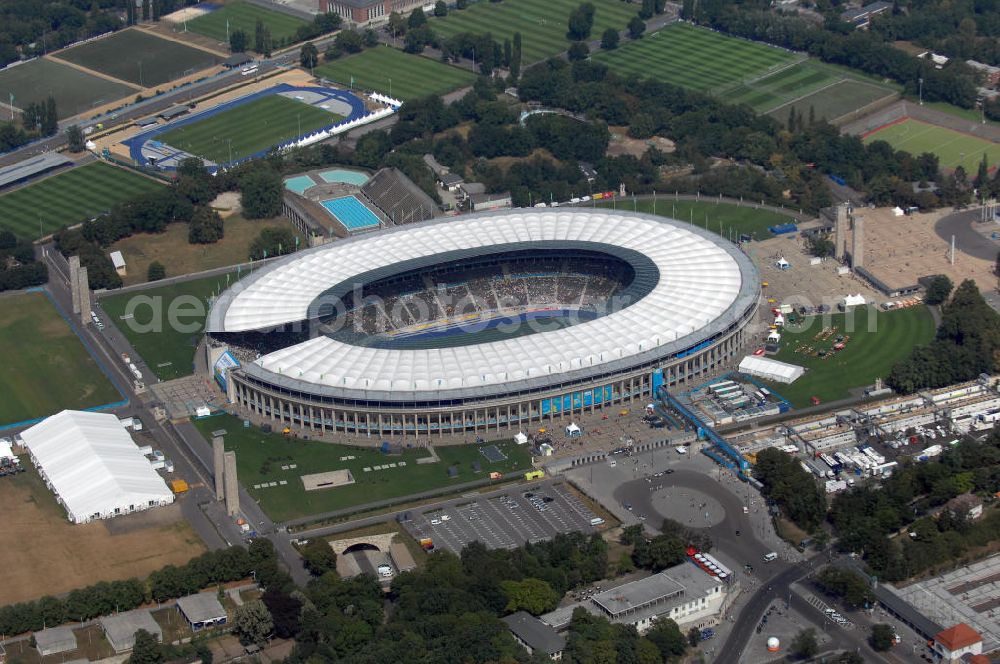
(419, 330)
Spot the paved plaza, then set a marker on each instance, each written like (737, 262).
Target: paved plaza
(504, 522)
(970, 594)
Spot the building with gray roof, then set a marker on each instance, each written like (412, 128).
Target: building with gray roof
(55, 640)
(534, 635)
(120, 628)
(202, 610)
(30, 168)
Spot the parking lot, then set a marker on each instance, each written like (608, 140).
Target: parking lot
(506, 521)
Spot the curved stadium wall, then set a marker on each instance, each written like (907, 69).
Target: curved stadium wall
(693, 321)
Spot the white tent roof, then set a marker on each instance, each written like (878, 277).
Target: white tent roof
(572, 428)
(781, 372)
(6, 451)
(93, 465)
(520, 438)
(854, 300)
(699, 283)
(117, 259)
(774, 336)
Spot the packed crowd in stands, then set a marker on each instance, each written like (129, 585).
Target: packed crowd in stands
(249, 346)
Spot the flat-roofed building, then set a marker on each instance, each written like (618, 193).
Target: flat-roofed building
(202, 610)
(535, 636)
(54, 640)
(120, 628)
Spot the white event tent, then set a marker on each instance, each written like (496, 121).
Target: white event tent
(762, 367)
(93, 466)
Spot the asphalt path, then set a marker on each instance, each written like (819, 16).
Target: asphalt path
(967, 240)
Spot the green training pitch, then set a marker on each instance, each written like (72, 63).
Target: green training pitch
(694, 58)
(243, 16)
(953, 148)
(139, 57)
(870, 352)
(779, 88)
(164, 324)
(397, 74)
(721, 218)
(542, 23)
(834, 102)
(69, 198)
(45, 368)
(75, 91)
(249, 128)
(260, 456)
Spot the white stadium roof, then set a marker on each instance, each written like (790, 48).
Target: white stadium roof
(94, 467)
(701, 279)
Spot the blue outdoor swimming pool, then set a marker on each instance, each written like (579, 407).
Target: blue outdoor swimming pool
(347, 177)
(351, 212)
(299, 183)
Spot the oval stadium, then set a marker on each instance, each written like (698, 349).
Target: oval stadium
(481, 323)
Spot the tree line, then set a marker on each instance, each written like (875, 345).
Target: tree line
(18, 267)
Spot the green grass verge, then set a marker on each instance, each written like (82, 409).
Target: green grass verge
(243, 16)
(139, 57)
(694, 58)
(69, 198)
(45, 368)
(249, 128)
(869, 353)
(721, 218)
(953, 148)
(165, 340)
(392, 72)
(542, 23)
(260, 456)
(75, 91)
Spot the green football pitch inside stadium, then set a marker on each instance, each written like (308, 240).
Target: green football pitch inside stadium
(953, 148)
(265, 459)
(542, 23)
(397, 74)
(233, 16)
(248, 128)
(694, 58)
(874, 341)
(726, 219)
(46, 368)
(164, 324)
(69, 198)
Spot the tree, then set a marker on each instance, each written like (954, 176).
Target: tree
(820, 245)
(252, 622)
(50, 118)
(938, 289)
(636, 27)
(609, 40)
(262, 39)
(146, 650)
(805, 644)
(74, 138)
(397, 24)
(667, 637)
(417, 18)
(578, 51)
(205, 227)
(625, 564)
(309, 55)
(515, 58)
(318, 555)
(440, 8)
(238, 40)
(285, 610)
(532, 595)
(156, 271)
(694, 637)
(581, 22)
(262, 191)
(883, 637)
(461, 4)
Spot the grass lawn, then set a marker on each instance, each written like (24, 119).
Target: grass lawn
(75, 91)
(741, 219)
(694, 58)
(243, 16)
(952, 147)
(867, 356)
(392, 72)
(970, 114)
(139, 57)
(259, 457)
(542, 23)
(46, 368)
(69, 198)
(836, 100)
(167, 349)
(249, 128)
(787, 84)
(171, 248)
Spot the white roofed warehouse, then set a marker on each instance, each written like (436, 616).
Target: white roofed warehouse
(93, 466)
(483, 321)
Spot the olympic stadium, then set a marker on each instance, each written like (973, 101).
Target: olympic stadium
(482, 323)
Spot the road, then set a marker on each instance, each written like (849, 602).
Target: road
(181, 442)
(967, 239)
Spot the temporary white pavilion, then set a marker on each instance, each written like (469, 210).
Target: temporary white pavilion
(93, 466)
(762, 367)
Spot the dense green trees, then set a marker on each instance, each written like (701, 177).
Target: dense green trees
(581, 22)
(74, 138)
(318, 555)
(847, 585)
(791, 487)
(938, 289)
(805, 644)
(205, 226)
(18, 267)
(262, 191)
(609, 40)
(155, 271)
(309, 55)
(882, 638)
(252, 622)
(238, 40)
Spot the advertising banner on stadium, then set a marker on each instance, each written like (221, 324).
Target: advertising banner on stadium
(225, 362)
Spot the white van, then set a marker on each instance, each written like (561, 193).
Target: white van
(770, 557)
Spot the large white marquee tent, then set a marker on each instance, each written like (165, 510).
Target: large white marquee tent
(762, 367)
(93, 466)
